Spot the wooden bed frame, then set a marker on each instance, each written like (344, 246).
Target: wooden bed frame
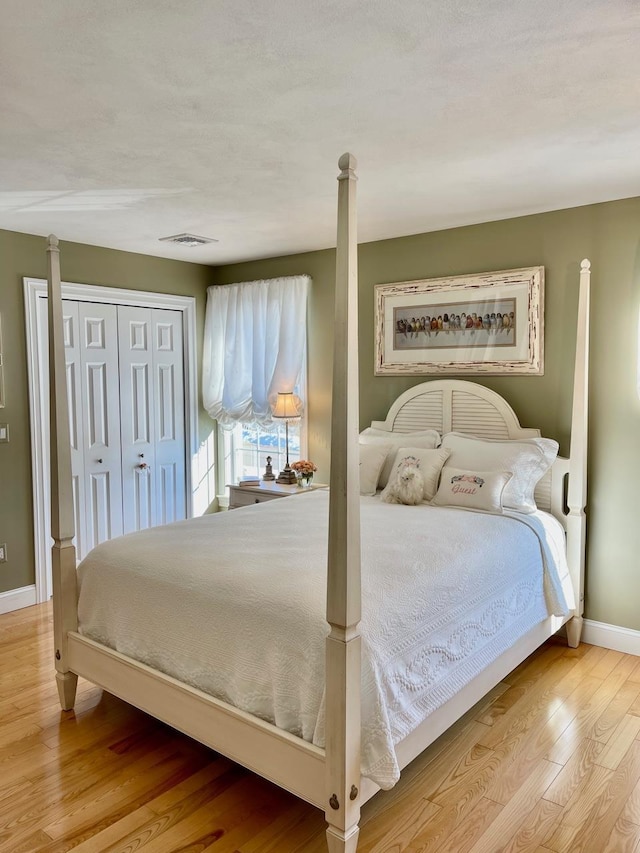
(328, 778)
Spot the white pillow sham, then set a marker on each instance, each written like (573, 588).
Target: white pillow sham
(372, 458)
(429, 462)
(427, 438)
(472, 489)
(528, 459)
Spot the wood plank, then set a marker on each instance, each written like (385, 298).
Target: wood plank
(517, 809)
(521, 752)
(625, 733)
(535, 828)
(631, 811)
(574, 772)
(624, 838)
(607, 663)
(501, 705)
(407, 824)
(587, 826)
(472, 827)
(604, 727)
(635, 673)
(118, 834)
(537, 699)
(586, 718)
(462, 802)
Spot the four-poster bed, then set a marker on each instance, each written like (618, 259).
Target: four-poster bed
(329, 777)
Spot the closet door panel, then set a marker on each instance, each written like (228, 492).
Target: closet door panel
(102, 477)
(137, 407)
(73, 359)
(168, 360)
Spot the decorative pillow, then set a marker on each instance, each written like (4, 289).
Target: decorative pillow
(472, 489)
(528, 459)
(429, 462)
(427, 438)
(372, 458)
(406, 485)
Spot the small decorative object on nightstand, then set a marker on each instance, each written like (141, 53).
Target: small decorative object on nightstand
(268, 471)
(304, 469)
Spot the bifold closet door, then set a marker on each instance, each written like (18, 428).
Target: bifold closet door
(94, 417)
(152, 416)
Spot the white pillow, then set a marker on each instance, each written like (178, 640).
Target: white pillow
(528, 459)
(429, 462)
(472, 489)
(427, 438)
(372, 458)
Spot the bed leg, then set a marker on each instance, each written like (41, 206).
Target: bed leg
(67, 683)
(574, 631)
(342, 842)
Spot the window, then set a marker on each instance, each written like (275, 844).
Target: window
(254, 348)
(247, 446)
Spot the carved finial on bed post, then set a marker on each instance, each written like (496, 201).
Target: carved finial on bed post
(343, 581)
(577, 490)
(63, 553)
(347, 165)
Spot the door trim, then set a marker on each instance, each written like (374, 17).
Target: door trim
(35, 289)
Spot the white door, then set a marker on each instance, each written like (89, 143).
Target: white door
(152, 416)
(125, 384)
(91, 355)
(174, 348)
(101, 471)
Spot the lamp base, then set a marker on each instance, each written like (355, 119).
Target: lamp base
(287, 477)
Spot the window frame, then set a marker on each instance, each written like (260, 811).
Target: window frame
(226, 473)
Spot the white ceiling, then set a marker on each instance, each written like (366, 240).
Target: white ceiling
(130, 120)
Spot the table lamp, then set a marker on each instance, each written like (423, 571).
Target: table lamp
(287, 407)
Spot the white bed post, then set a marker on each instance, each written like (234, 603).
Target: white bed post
(577, 491)
(343, 582)
(63, 552)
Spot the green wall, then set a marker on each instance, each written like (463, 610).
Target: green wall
(24, 255)
(608, 234)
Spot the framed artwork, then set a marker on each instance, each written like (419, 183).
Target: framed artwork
(489, 323)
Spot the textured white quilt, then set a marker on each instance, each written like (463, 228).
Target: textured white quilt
(234, 604)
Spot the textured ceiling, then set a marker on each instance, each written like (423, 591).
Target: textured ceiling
(123, 122)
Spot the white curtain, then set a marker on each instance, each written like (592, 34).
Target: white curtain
(255, 337)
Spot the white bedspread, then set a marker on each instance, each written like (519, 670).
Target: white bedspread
(234, 604)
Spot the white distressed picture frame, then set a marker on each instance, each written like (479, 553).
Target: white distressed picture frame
(407, 342)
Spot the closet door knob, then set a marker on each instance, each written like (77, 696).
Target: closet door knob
(143, 466)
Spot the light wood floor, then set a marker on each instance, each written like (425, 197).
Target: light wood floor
(549, 762)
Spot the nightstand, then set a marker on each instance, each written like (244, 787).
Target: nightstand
(266, 491)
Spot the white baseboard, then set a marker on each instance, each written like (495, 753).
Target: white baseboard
(15, 599)
(611, 637)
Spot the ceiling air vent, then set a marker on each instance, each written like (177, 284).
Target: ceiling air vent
(188, 240)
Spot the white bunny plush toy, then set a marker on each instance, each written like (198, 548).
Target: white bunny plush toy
(406, 486)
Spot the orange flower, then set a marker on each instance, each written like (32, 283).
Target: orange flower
(304, 467)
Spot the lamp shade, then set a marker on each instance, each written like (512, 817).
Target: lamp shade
(288, 405)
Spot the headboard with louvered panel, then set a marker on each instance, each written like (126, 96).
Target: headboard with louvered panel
(450, 405)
